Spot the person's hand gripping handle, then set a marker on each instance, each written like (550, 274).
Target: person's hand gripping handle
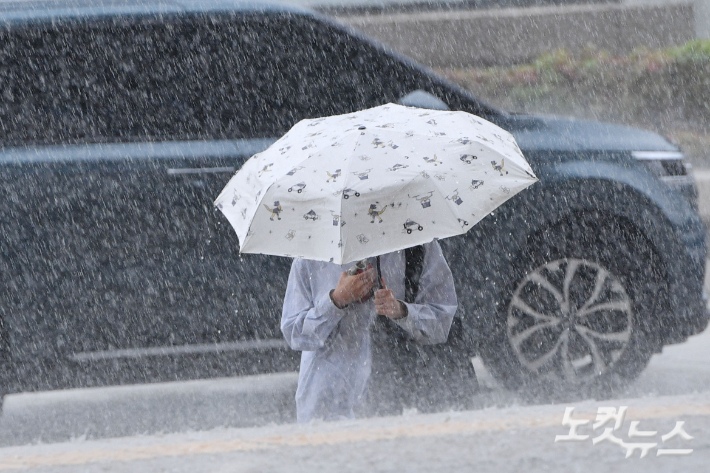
(354, 288)
(386, 304)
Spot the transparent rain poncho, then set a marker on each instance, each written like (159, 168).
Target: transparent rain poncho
(336, 344)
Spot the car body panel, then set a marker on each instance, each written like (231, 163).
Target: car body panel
(33, 12)
(538, 133)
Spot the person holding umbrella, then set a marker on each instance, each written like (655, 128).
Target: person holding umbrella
(328, 314)
(407, 178)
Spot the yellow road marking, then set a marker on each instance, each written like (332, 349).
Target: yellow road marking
(332, 437)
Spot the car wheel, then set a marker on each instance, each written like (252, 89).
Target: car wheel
(578, 312)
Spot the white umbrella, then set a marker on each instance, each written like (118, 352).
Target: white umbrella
(348, 187)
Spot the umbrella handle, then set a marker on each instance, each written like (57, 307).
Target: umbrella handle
(379, 272)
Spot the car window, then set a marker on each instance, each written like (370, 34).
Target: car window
(332, 71)
(184, 78)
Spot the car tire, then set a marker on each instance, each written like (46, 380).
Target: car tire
(577, 311)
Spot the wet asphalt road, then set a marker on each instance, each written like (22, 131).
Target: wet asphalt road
(507, 438)
(193, 406)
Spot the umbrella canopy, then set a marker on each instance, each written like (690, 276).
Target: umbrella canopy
(348, 187)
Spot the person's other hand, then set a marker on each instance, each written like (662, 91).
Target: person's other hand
(357, 288)
(386, 304)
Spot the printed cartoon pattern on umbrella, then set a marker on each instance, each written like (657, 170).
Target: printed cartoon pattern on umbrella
(399, 177)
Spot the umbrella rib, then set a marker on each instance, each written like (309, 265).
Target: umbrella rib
(247, 237)
(449, 204)
(348, 163)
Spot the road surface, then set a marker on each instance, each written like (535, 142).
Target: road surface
(203, 426)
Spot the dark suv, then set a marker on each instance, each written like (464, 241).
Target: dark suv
(121, 121)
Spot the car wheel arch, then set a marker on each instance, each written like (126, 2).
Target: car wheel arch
(537, 210)
(617, 233)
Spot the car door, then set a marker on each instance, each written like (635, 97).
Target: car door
(176, 121)
(110, 167)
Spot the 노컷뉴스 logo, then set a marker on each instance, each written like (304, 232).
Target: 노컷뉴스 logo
(610, 419)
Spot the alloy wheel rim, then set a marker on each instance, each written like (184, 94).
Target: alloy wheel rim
(570, 320)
